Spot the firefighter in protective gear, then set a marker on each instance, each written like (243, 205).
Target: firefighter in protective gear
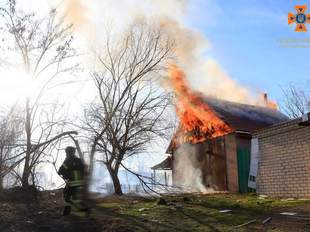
(73, 172)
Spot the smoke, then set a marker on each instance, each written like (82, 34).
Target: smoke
(188, 169)
(76, 13)
(205, 74)
(224, 86)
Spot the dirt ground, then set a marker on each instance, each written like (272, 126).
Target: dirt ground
(25, 211)
(21, 211)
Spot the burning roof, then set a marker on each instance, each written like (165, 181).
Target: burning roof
(239, 117)
(203, 118)
(197, 120)
(243, 117)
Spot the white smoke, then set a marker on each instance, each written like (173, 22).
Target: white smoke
(224, 86)
(188, 168)
(186, 173)
(91, 17)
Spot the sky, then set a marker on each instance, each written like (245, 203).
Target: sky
(245, 38)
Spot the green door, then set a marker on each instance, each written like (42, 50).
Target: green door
(243, 156)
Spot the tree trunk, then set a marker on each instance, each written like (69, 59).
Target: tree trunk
(26, 174)
(1, 183)
(1, 177)
(26, 171)
(116, 182)
(90, 167)
(117, 185)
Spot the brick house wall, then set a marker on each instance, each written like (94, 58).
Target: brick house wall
(284, 160)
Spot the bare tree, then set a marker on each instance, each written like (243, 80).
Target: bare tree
(10, 131)
(295, 101)
(129, 111)
(45, 48)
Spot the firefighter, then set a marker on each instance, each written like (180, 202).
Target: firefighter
(73, 172)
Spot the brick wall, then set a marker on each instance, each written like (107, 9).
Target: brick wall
(284, 164)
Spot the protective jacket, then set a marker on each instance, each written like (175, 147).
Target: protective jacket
(73, 171)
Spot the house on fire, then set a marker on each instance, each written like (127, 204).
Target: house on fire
(222, 162)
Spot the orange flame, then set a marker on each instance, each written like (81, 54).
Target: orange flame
(197, 120)
(268, 103)
(272, 105)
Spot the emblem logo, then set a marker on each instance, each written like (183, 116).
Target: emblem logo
(300, 18)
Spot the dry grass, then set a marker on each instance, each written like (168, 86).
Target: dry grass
(190, 212)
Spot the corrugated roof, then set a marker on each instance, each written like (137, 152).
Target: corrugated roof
(245, 117)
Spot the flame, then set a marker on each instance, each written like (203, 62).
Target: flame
(266, 102)
(272, 105)
(198, 122)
